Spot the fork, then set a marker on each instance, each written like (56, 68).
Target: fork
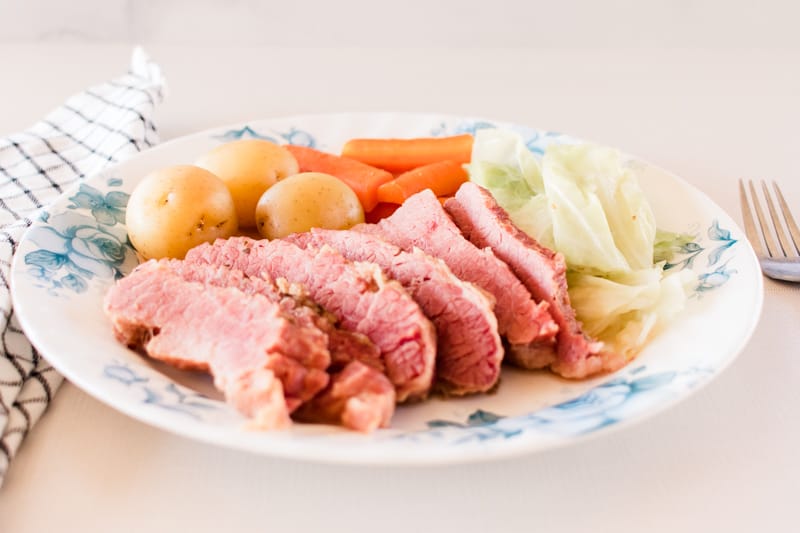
(781, 260)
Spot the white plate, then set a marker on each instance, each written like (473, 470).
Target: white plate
(69, 258)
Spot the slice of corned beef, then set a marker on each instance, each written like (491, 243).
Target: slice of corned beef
(358, 294)
(264, 363)
(357, 397)
(469, 349)
(542, 271)
(344, 346)
(422, 222)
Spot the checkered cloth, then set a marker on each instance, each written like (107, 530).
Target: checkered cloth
(102, 125)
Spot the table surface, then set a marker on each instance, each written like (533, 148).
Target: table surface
(726, 459)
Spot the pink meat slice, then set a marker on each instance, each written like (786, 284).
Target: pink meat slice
(543, 272)
(265, 364)
(422, 222)
(357, 294)
(357, 397)
(469, 349)
(344, 346)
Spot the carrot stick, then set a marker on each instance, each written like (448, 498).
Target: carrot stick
(443, 178)
(405, 154)
(362, 178)
(381, 211)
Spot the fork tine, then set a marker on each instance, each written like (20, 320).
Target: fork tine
(772, 248)
(749, 223)
(787, 215)
(786, 245)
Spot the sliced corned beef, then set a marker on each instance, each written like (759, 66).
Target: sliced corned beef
(357, 397)
(422, 222)
(542, 271)
(358, 294)
(344, 346)
(264, 363)
(469, 349)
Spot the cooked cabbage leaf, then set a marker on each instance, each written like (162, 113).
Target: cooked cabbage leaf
(602, 222)
(584, 201)
(626, 310)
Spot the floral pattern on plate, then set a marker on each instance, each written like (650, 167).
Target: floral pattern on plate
(292, 135)
(84, 242)
(160, 394)
(604, 405)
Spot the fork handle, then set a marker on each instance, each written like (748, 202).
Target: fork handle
(783, 269)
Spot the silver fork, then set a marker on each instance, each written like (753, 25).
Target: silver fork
(781, 259)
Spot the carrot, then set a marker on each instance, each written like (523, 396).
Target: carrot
(443, 178)
(381, 211)
(405, 154)
(362, 178)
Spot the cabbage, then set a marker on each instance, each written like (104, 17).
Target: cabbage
(584, 201)
(626, 310)
(601, 220)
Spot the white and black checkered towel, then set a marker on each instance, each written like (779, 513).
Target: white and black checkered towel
(102, 125)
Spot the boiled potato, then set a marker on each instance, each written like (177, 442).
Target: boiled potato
(304, 201)
(176, 208)
(249, 167)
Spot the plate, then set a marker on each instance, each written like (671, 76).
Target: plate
(75, 250)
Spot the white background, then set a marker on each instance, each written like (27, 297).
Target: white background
(470, 23)
(707, 89)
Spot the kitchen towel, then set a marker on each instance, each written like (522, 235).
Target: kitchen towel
(91, 130)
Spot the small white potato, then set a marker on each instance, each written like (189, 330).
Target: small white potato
(249, 167)
(304, 201)
(176, 208)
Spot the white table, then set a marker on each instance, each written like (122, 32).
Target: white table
(726, 459)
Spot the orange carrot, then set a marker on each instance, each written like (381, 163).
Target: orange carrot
(362, 178)
(405, 154)
(381, 211)
(443, 178)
